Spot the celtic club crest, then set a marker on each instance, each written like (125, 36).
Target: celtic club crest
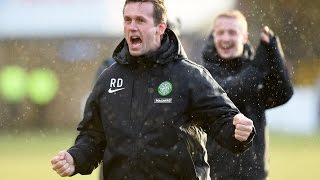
(165, 88)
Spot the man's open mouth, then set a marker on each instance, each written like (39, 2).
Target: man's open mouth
(226, 46)
(135, 41)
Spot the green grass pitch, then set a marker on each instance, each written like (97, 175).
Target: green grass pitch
(28, 155)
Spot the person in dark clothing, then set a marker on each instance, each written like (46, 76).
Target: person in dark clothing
(254, 83)
(173, 24)
(148, 115)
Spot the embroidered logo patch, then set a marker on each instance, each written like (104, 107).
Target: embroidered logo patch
(115, 85)
(165, 88)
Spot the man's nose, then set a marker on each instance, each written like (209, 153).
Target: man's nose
(132, 26)
(225, 37)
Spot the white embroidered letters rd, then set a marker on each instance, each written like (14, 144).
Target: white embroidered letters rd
(115, 85)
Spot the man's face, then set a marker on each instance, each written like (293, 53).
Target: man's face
(229, 37)
(140, 32)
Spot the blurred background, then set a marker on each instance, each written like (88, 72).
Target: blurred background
(50, 51)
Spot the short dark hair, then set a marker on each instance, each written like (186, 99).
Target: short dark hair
(159, 9)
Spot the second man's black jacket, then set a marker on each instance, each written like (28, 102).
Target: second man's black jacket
(255, 83)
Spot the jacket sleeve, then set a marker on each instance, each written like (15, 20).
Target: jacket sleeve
(270, 60)
(214, 111)
(90, 143)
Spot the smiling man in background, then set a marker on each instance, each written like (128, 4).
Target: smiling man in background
(254, 83)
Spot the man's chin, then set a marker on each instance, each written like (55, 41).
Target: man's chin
(135, 53)
(226, 57)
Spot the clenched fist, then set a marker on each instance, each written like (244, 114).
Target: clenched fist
(243, 127)
(63, 164)
(266, 34)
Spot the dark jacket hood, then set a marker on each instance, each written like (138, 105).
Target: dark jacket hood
(164, 54)
(210, 54)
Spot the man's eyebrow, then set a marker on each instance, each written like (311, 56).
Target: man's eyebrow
(135, 16)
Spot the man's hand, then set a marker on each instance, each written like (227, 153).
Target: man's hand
(266, 34)
(63, 164)
(243, 127)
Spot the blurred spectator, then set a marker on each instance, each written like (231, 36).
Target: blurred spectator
(253, 83)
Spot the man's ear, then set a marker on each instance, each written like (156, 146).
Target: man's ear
(161, 28)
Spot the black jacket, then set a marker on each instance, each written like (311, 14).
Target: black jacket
(145, 117)
(254, 83)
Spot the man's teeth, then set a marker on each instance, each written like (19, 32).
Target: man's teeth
(226, 46)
